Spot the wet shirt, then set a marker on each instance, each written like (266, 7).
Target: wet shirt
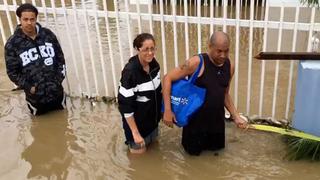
(210, 117)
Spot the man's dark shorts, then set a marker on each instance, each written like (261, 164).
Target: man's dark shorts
(195, 143)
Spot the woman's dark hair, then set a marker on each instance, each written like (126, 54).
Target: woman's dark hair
(138, 41)
(26, 7)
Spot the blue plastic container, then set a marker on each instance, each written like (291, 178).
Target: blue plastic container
(307, 101)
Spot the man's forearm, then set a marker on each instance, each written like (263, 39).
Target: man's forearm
(230, 106)
(166, 92)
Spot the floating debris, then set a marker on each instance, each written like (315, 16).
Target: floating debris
(268, 121)
(261, 120)
(105, 99)
(109, 99)
(95, 99)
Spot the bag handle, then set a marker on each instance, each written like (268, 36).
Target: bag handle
(196, 73)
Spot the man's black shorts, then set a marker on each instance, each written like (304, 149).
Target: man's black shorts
(195, 143)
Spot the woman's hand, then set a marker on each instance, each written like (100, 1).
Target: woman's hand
(138, 139)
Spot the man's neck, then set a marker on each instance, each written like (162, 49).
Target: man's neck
(215, 63)
(32, 34)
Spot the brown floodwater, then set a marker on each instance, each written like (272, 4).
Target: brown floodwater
(86, 141)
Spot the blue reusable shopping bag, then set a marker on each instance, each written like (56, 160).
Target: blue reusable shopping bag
(186, 98)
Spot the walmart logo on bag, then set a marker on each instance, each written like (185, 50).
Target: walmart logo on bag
(179, 100)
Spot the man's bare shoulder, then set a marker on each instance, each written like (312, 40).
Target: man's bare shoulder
(190, 64)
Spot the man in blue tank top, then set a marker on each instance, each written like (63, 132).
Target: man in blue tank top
(206, 129)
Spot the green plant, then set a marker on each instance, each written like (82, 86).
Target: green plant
(299, 148)
(310, 3)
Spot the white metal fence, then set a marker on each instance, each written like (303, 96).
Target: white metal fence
(99, 34)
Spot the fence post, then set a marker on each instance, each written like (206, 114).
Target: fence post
(263, 63)
(186, 28)
(274, 101)
(250, 56)
(291, 63)
(66, 22)
(175, 36)
(163, 39)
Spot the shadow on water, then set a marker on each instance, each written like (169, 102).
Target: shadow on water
(48, 154)
(14, 136)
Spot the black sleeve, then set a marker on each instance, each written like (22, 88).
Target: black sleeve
(127, 93)
(14, 68)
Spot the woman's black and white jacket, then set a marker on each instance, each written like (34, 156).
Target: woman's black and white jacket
(140, 96)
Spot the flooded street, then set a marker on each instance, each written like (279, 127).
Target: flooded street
(86, 142)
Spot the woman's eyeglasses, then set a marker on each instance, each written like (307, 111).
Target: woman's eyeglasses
(148, 50)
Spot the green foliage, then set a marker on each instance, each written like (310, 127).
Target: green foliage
(299, 148)
(310, 3)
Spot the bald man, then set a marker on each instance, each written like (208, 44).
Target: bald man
(206, 129)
